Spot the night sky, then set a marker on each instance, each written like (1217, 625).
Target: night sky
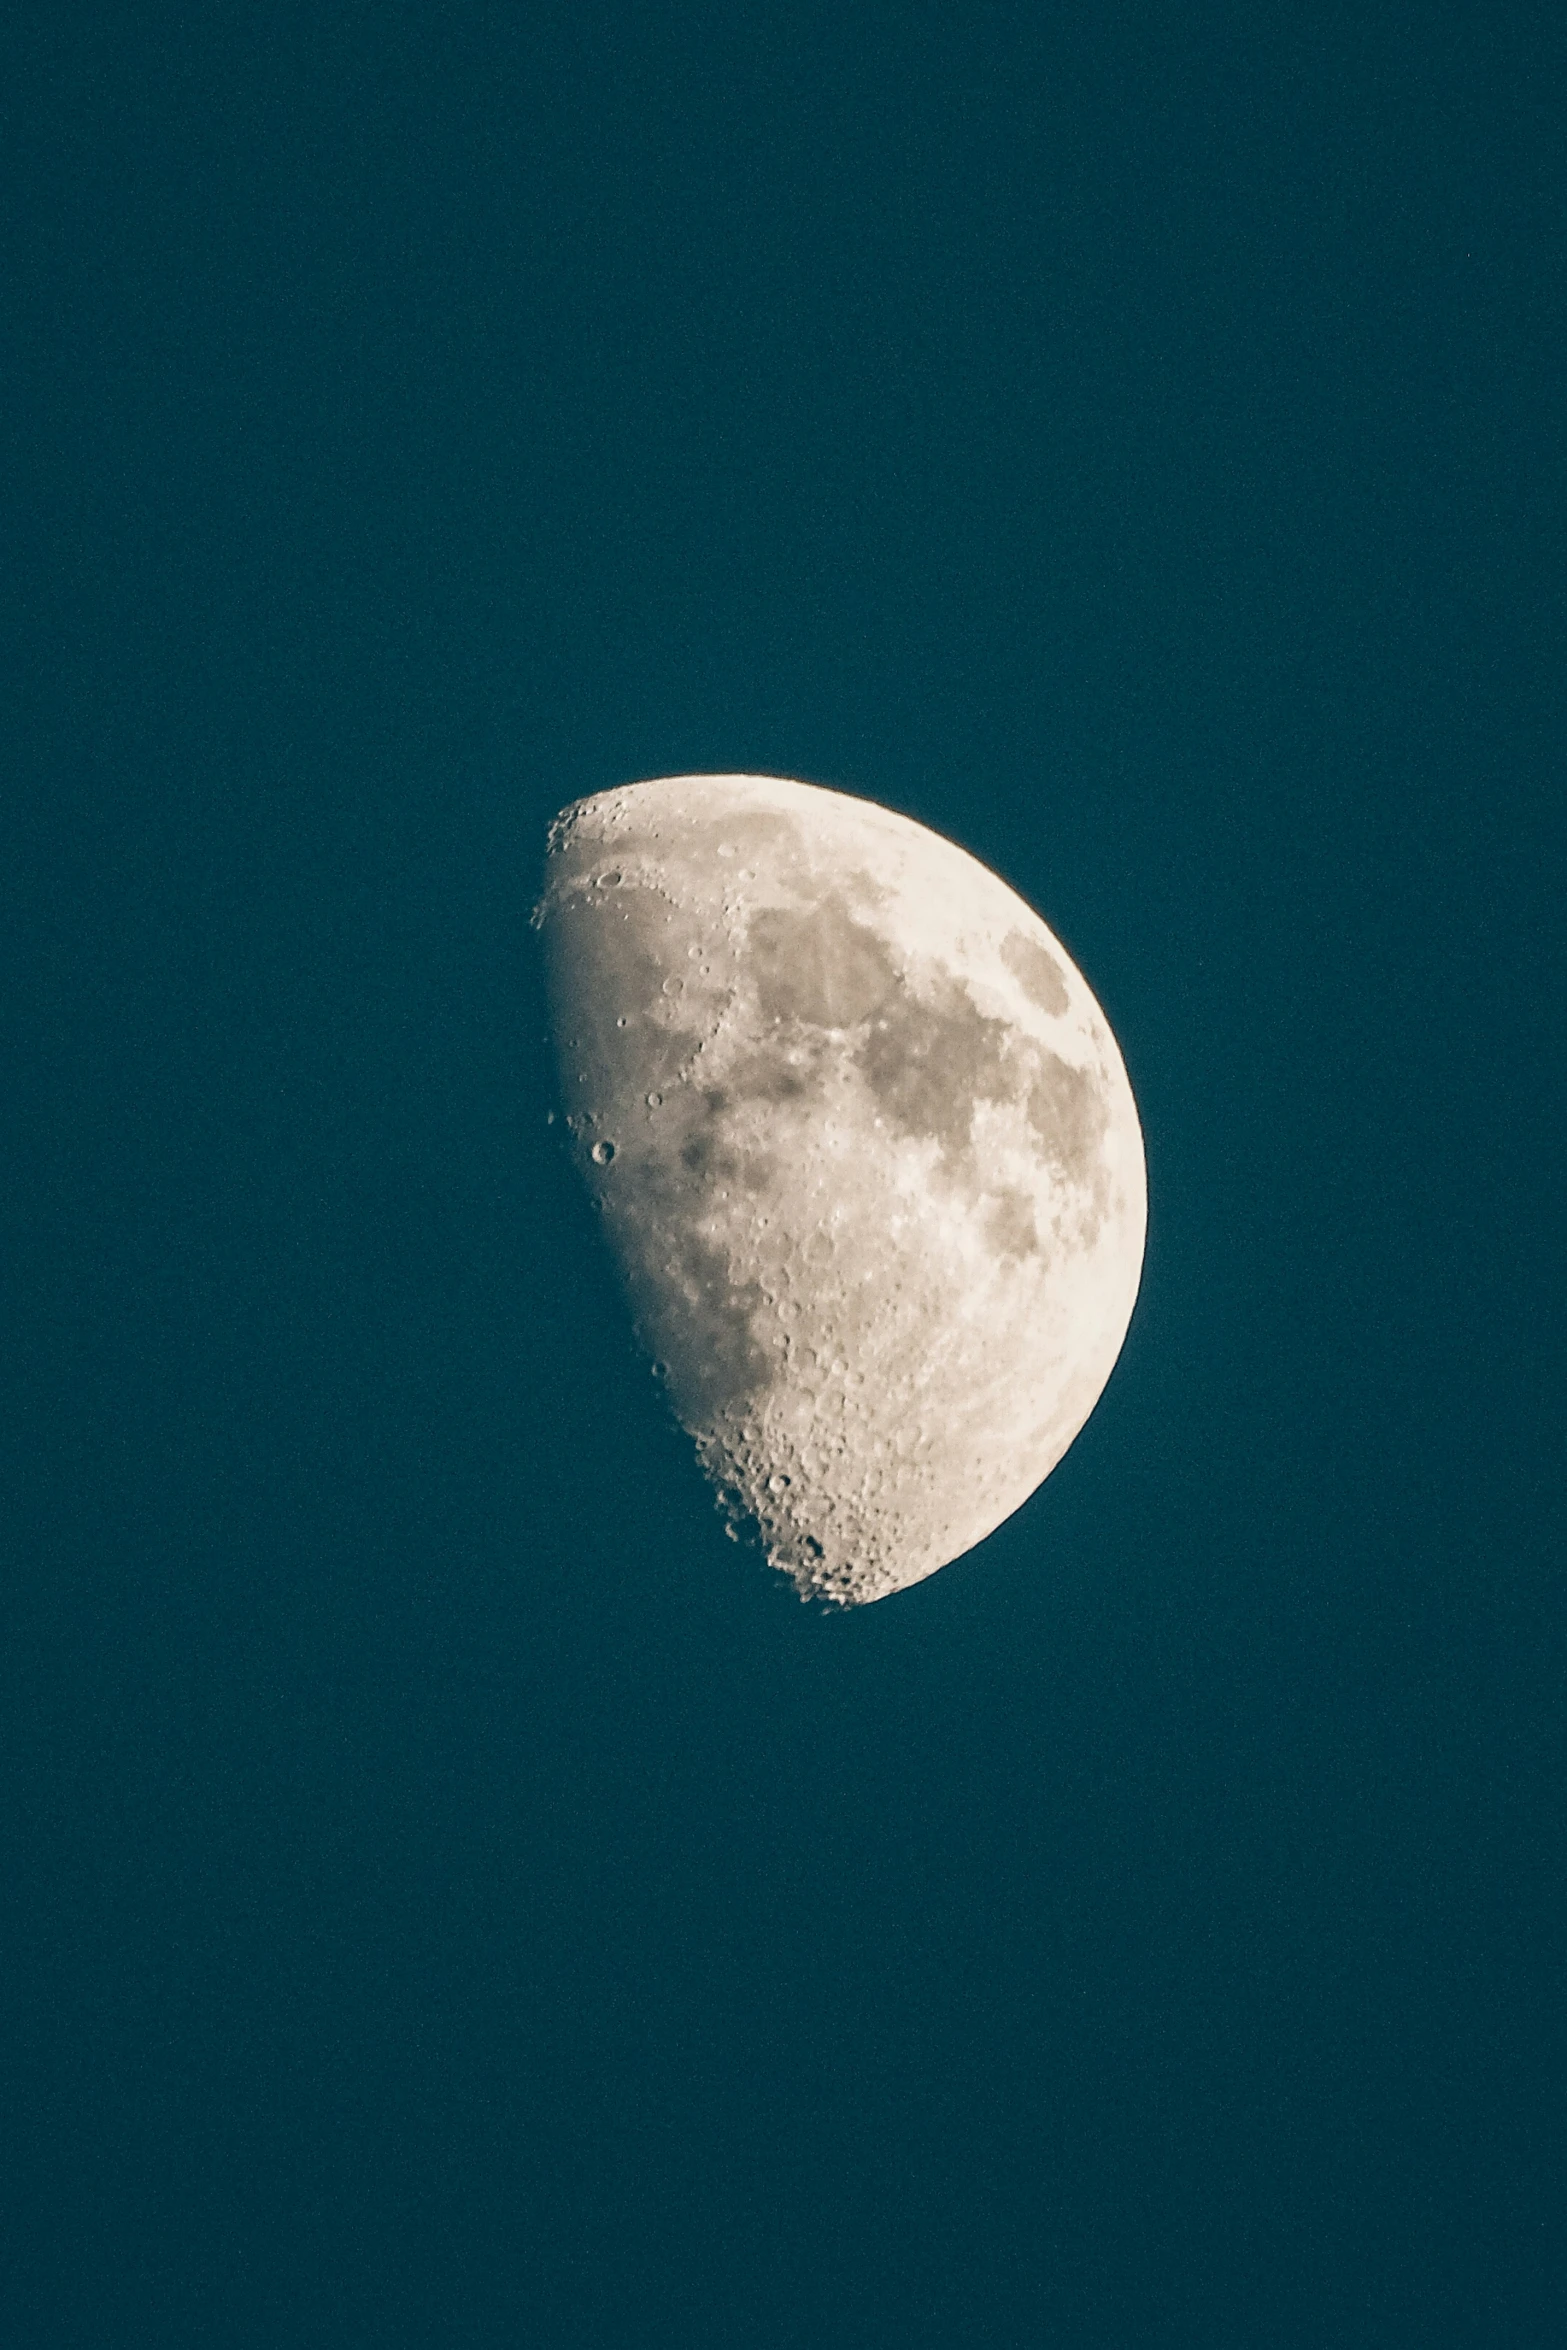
(448, 1893)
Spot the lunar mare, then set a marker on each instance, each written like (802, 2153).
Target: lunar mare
(866, 1152)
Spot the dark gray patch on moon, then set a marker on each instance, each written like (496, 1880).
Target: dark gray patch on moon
(709, 1153)
(1036, 971)
(928, 1062)
(1010, 1226)
(1068, 1112)
(926, 1057)
(820, 966)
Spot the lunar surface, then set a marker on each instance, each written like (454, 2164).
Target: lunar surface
(866, 1153)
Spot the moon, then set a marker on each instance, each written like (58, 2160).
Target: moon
(866, 1154)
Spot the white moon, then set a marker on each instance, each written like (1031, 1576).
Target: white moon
(866, 1153)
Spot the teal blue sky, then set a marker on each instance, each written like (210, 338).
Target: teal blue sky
(452, 1896)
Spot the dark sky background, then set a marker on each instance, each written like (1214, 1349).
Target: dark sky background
(448, 1894)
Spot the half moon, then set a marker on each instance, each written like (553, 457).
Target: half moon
(866, 1153)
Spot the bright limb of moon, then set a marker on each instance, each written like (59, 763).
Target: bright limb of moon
(866, 1152)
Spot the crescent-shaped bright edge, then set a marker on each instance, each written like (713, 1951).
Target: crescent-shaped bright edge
(866, 1152)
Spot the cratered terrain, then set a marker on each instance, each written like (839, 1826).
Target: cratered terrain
(866, 1153)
